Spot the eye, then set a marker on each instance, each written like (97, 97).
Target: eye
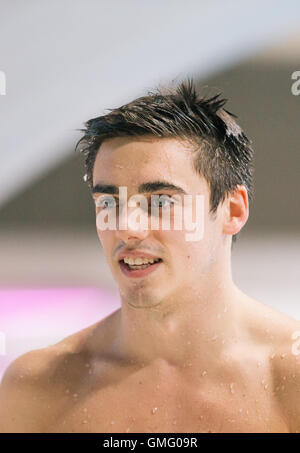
(166, 200)
(106, 202)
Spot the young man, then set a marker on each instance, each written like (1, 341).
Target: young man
(188, 351)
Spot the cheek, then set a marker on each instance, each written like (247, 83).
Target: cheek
(106, 239)
(188, 257)
(181, 253)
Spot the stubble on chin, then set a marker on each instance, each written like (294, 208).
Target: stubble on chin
(139, 298)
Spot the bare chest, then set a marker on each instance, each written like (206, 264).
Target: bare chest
(170, 404)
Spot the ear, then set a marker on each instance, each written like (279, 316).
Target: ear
(236, 211)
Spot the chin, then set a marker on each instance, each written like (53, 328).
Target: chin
(140, 299)
(143, 304)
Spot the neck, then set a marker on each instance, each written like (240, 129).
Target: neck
(193, 324)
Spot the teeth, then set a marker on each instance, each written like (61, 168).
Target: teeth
(139, 261)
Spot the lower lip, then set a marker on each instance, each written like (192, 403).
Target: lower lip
(138, 273)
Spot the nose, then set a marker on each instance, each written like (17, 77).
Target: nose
(133, 224)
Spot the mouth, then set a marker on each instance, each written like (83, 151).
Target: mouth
(139, 270)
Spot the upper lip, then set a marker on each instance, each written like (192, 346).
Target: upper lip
(136, 254)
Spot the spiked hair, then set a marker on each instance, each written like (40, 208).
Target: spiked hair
(222, 153)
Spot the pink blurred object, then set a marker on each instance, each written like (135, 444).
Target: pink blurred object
(35, 318)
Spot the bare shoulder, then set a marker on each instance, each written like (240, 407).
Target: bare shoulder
(279, 334)
(34, 384)
(286, 369)
(20, 391)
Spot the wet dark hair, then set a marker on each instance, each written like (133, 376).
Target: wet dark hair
(222, 153)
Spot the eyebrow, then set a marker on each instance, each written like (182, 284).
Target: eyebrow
(147, 187)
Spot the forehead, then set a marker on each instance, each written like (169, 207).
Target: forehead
(131, 160)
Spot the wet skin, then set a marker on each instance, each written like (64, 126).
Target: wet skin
(186, 352)
(251, 385)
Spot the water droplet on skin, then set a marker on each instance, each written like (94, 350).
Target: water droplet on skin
(84, 409)
(75, 395)
(87, 365)
(174, 422)
(84, 421)
(219, 315)
(232, 387)
(127, 430)
(266, 386)
(241, 410)
(284, 378)
(67, 391)
(112, 422)
(282, 356)
(225, 310)
(188, 342)
(154, 410)
(204, 373)
(258, 364)
(272, 356)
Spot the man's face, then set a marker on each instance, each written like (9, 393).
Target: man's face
(130, 162)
